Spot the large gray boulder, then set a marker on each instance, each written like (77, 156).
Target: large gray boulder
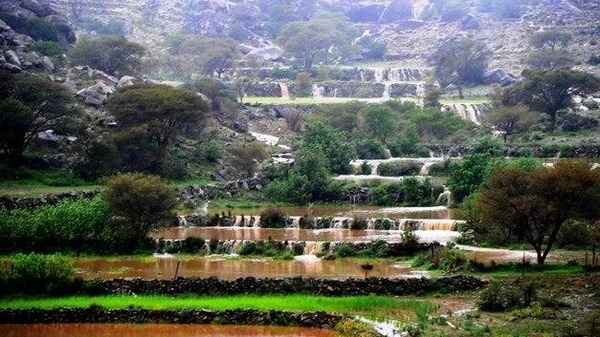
(97, 94)
(12, 58)
(270, 53)
(499, 76)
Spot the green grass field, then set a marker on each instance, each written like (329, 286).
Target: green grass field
(374, 306)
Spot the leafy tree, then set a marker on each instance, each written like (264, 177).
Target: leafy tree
(511, 119)
(246, 157)
(30, 104)
(303, 84)
(143, 201)
(331, 143)
(550, 59)
(380, 123)
(465, 178)
(158, 114)
(432, 97)
(215, 90)
(111, 54)
(309, 40)
(550, 91)
(460, 61)
(535, 204)
(194, 54)
(552, 39)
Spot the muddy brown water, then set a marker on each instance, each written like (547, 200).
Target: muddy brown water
(156, 330)
(230, 269)
(295, 234)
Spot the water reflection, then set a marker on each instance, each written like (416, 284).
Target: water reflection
(155, 330)
(232, 268)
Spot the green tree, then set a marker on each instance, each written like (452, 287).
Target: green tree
(467, 177)
(246, 157)
(380, 123)
(208, 56)
(552, 39)
(30, 104)
(144, 202)
(159, 114)
(511, 119)
(309, 40)
(535, 204)
(331, 143)
(111, 54)
(550, 59)
(550, 91)
(303, 84)
(460, 61)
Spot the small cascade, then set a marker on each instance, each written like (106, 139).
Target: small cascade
(375, 168)
(335, 92)
(182, 221)
(318, 91)
(295, 221)
(386, 90)
(379, 75)
(285, 91)
(445, 198)
(425, 168)
(312, 247)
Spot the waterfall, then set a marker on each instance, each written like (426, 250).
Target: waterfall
(312, 247)
(182, 221)
(285, 91)
(386, 90)
(379, 75)
(317, 91)
(425, 168)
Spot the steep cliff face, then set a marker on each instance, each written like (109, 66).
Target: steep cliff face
(410, 28)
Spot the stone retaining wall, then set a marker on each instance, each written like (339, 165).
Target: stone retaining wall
(137, 316)
(251, 285)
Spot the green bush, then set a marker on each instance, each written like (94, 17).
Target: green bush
(34, 273)
(48, 48)
(408, 192)
(575, 234)
(370, 149)
(503, 296)
(399, 168)
(352, 328)
(359, 223)
(192, 245)
(37, 28)
(452, 260)
(273, 218)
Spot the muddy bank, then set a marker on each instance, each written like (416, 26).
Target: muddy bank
(138, 316)
(157, 330)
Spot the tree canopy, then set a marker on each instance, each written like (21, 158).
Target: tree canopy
(111, 54)
(510, 119)
(209, 56)
(30, 104)
(317, 38)
(157, 114)
(534, 204)
(460, 61)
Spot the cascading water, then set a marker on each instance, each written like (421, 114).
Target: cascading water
(317, 91)
(285, 91)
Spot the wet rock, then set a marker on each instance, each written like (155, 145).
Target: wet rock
(97, 94)
(12, 58)
(126, 81)
(499, 76)
(47, 64)
(591, 103)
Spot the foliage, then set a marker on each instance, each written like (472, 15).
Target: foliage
(550, 59)
(460, 61)
(41, 273)
(534, 204)
(399, 168)
(466, 177)
(511, 120)
(273, 218)
(111, 54)
(503, 296)
(332, 143)
(379, 122)
(194, 54)
(151, 117)
(314, 39)
(408, 192)
(30, 104)
(575, 234)
(143, 202)
(353, 328)
(552, 39)
(80, 225)
(48, 48)
(303, 84)
(550, 91)
(217, 92)
(246, 157)
(369, 149)
(37, 28)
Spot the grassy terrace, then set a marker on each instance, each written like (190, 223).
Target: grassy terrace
(373, 306)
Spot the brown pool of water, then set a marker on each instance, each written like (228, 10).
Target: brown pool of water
(348, 211)
(295, 234)
(156, 330)
(232, 268)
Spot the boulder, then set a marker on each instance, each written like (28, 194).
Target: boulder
(126, 81)
(47, 64)
(12, 58)
(591, 103)
(499, 76)
(270, 53)
(4, 27)
(97, 94)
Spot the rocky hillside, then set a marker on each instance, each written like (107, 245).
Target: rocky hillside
(408, 27)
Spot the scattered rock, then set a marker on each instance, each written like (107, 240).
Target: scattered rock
(97, 94)
(12, 58)
(499, 76)
(47, 63)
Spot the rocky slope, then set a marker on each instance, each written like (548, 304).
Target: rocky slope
(409, 36)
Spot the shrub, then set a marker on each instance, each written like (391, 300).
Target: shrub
(574, 234)
(307, 222)
(365, 168)
(370, 149)
(500, 296)
(48, 48)
(344, 249)
(352, 328)
(192, 245)
(273, 218)
(452, 260)
(34, 273)
(144, 201)
(111, 54)
(574, 122)
(408, 192)
(399, 168)
(359, 223)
